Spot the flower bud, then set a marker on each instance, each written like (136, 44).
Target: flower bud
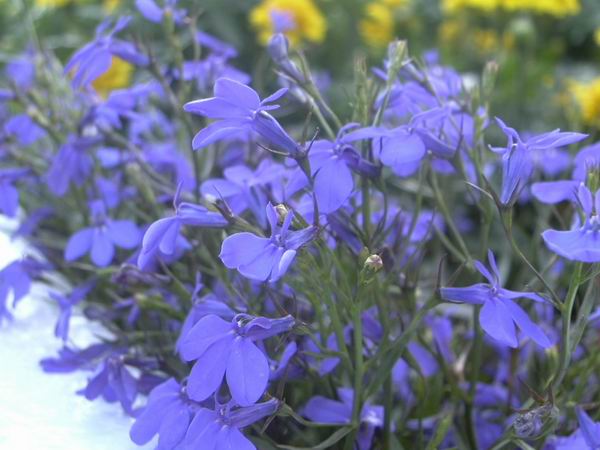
(373, 263)
(282, 211)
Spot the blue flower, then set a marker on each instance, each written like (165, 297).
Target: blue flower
(94, 58)
(239, 107)
(517, 160)
(72, 164)
(24, 129)
(220, 429)
(324, 410)
(499, 312)
(226, 348)
(260, 258)
(113, 381)
(162, 237)
(589, 429)
(168, 413)
(9, 195)
(66, 303)
(331, 164)
(243, 188)
(101, 238)
(583, 242)
(16, 278)
(151, 11)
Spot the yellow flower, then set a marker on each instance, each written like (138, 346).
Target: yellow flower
(597, 36)
(557, 8)
(300, 20)
(117, 77)
(51, 3)
(485, 40)
(111, 5)
(587, 98)
(452, 6)
(377, 27)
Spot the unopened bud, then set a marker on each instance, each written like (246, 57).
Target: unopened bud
(488, 80)
(282, 211)
(593, 176)
(397, 51)
(374, 263)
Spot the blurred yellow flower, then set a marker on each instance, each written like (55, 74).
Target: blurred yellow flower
(597, 36)
(117, 77)
(587, 98)
(111, 5)
(557, 8)
(377, 26)
(299, 20)
(51, 3)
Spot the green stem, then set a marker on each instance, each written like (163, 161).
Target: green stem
(565, 350)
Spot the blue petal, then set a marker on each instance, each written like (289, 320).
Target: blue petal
(202, 335)
(526, 325)
(552, 192)
(333, 185)
(496, 320)
(103, 250)
(247, 372)
(576, 245)
(207, 374)
(237, 93)
(242, 248)
(79, 244)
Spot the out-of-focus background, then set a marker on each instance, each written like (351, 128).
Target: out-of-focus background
(548, 51)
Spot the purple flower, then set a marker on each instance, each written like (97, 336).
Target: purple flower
(101, 238)
(239, 107)
(95, 58)
(113, 381)
(16, 278)
(69, 360)
(589, 429)
(324, 410)
(226, 348)
(24, 129)
(9, 195)
(260, 258)
(331, 164)
(161, 238)
(243, 188)
(21, 71)
(517, 162)
(220, 429)
(66, 303)
(400, 149)
(499, 312)
(583, 242)
(151, 11)
(72, 164)
(168, 413)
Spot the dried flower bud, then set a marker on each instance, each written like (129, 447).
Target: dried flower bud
(282, 211)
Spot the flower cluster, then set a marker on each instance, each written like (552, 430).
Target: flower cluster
(281, 270)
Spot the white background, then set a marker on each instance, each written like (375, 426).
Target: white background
(40, 411)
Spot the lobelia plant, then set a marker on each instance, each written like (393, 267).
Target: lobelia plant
(311, 285)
